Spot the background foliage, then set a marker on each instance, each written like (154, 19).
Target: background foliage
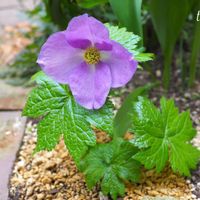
(166, 26)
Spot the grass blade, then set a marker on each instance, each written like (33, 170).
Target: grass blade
(129, 14)
(122, 120)
(168, 23)
(195, 54)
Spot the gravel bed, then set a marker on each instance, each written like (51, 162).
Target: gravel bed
(53, 176)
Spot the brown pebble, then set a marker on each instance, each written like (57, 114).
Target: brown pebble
(40, 196)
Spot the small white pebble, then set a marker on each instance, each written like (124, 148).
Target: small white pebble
(158, 73)
(188, 181)
(193, 196)
(21, 164)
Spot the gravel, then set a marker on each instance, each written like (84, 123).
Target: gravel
(47, 175)
(53, 175)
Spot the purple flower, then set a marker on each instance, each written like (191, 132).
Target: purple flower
(85, 58)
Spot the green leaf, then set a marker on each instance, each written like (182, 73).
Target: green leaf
(164, 16)
(144, 57)
(110, 165)
(54, 10)
(129, 14)
(124, 37)
(164, 134)
(112, 185)
(122, 120)
(38, 76)
(62, 116)
(90, 3)
(129, 41)
(195, 53)
(48, 96)
(103, 118)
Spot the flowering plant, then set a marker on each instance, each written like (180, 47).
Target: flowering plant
(80, 65)
(85, 58)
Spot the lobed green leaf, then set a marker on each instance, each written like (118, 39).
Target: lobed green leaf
(63, 117)
(110, 164)
(129, 41)
(164, 135)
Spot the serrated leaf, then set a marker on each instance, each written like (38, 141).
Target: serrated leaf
(102, 119)
(62, 116)
(112, 185)
(164, 134)
(124, 37)
(48, 96)
(144, 57)
(129, 41)
(110, 164)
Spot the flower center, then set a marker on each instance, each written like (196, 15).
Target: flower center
(92, 55)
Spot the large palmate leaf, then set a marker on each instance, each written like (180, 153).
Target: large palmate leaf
(110, 164)
(164, 134)
(62, 116)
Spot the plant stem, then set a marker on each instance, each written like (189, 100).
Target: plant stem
(194, 55)
(167, 68)
(181, 63)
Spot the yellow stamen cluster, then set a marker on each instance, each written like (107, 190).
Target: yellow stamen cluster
(92, 56)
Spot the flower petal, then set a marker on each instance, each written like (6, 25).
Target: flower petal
(84, 27)
(79, 43)
(57, 58)
(104, 45)
(122, 65)
(90, 85)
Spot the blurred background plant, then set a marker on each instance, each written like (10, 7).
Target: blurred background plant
(49, 16)
(168, 29)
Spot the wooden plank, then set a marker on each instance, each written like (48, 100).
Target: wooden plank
(12, 127)
(12, 97)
